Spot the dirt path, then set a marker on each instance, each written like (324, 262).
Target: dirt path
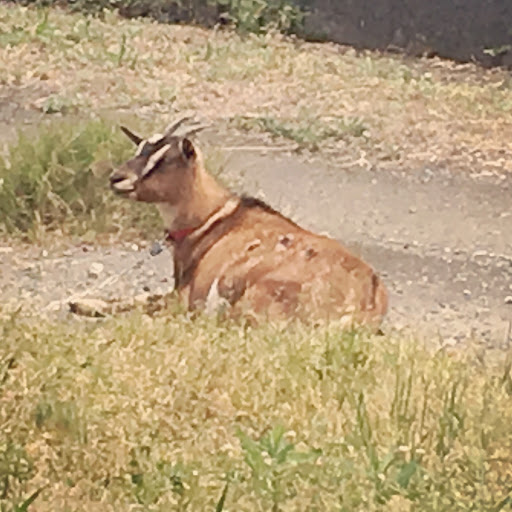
(442, 242)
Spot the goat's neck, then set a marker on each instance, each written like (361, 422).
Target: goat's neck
(207, 197)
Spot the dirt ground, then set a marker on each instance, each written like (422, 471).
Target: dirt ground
(441, 241)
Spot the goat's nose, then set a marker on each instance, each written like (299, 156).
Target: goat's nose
(116, 177)
(122, 182)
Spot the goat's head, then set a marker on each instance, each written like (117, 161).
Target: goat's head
(163, 169)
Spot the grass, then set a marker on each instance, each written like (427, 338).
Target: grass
(308, 132)
(246, 15)
(58, 181)
(170, 413)
(415, 112)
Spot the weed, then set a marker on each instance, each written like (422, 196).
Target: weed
(152, 480)
(59, 179)
(306, 131)
(56, 104)
(276, 465)
(258, 15)
(26, 503)
(246, 15)
(62, 417)
(15, 467)
(220, 505)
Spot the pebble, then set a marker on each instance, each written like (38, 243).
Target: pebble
(156, 249)
(95, 270)
(88, 307)
(450, 342)
(141, 298)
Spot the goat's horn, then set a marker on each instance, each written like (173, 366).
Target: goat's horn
(196, 129)
(176, 124)
(134, 138)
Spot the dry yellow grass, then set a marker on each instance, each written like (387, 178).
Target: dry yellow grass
(157, 413)
(414, 112)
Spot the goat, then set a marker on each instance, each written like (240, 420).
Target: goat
(236, 253)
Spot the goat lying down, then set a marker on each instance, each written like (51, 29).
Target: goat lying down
(237, 253)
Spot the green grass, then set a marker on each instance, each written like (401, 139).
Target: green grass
(57, 180)
(173, 413)
(306, 131)
(246, 15)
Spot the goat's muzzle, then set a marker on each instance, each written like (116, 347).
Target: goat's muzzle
(122, 183)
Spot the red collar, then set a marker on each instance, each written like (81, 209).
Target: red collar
(178, 236)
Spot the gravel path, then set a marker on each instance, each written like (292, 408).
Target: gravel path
(441, 241)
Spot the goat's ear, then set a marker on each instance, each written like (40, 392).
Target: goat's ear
(134, 138)
(187, 149)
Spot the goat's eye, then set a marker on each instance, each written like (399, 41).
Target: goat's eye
(147, 150)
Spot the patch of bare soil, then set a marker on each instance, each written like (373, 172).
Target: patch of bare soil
(21, 106)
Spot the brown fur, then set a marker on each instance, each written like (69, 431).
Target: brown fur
(243, 256)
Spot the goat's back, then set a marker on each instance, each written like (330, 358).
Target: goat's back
(266, 265)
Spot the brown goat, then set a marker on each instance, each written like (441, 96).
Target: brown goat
(238, 254)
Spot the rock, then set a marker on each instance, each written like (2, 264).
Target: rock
(6, 250)
(508, 299)
(141, 299)
(95, 270)
(450, 342)
(467, 293)
(95, 308)
(156, 249)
